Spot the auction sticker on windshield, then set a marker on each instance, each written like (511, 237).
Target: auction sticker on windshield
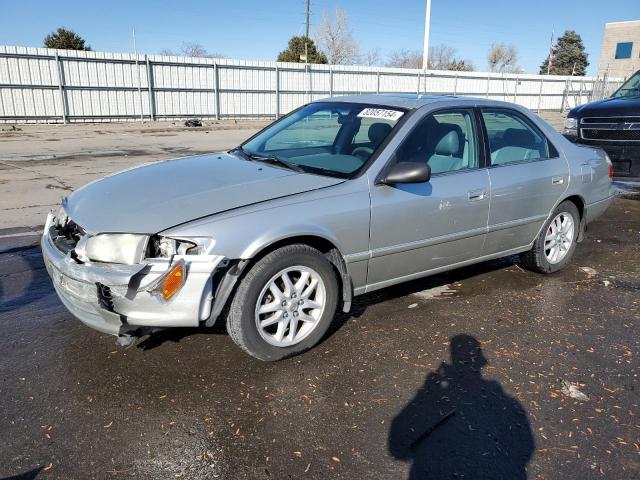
(381, 113)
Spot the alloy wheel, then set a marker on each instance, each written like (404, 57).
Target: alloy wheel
(290, 306)
(559, 238)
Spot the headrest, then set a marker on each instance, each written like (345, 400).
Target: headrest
(449, 143)
(518, 137)
(378, 131)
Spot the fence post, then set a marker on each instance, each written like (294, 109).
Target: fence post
(139, 89)
(216, 89)
(540, 93)
(330, 81)
(564, 95)
(579, 102)
(309, 85)
(378, 81)
(152, 101)
(63, 92)
(418, 88)
(605, 84)
(455, 85)
(277, 92)
(488, 81)
(515, 90)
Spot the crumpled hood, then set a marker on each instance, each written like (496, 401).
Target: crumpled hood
(152, 198)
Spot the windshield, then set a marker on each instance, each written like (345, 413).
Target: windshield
(630, 88)
(331, 138)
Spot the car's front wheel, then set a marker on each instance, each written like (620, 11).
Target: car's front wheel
(556, 243)
(285, 303)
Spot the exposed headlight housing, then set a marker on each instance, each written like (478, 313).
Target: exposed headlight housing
(165, 247)
(131, 249)
(61, 217)
(115, 248)
(571, 126)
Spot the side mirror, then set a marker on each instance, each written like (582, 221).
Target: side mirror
(407, 172)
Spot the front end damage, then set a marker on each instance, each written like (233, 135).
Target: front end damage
(127, 300)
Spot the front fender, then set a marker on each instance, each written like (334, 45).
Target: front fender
(339, 214)
(275, 235)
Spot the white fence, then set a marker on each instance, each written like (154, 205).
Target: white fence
(44, 85)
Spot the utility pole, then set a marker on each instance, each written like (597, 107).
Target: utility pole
(306, 38)
(425, 48)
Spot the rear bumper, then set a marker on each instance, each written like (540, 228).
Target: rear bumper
(625, 157)
(594, 210)
(125, 305)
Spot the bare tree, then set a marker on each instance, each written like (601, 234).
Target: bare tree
(441, 57)
(503, 58)
(335, 38)
(371, 58)
(190, 49)
(405, 59)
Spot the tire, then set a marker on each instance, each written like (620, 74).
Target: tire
(540, 258)
(256, 286)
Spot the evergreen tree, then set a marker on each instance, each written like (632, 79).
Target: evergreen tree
(567, 52)
(295, 50)
(66, 40)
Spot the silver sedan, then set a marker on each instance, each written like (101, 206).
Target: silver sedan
(341, 197)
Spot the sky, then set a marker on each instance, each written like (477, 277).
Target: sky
(259, 29)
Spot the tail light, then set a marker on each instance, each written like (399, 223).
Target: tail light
(610, 165)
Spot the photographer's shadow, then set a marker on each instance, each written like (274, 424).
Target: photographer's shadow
(461, 426)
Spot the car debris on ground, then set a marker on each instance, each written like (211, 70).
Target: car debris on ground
(572, 391)
(193, 122)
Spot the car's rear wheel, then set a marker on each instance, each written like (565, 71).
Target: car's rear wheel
(556, 243)
(285, 303)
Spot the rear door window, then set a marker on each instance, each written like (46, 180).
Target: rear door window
(512, 138)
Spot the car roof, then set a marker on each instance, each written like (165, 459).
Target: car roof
(413, 101)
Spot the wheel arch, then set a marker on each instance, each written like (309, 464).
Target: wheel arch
(580, 204)
(227, 280)
(578, 201)
(323, 244)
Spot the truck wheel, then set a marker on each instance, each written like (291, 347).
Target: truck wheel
(285, 303)
(556, 243)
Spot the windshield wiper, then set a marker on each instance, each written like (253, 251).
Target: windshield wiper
(278, 161)
(242, 152)
(271, 159)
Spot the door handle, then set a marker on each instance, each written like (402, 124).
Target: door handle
(557, 180)
(476, 195)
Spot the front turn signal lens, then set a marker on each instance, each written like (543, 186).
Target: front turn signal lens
(171, 282)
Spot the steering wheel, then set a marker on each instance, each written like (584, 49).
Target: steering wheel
(362, 152)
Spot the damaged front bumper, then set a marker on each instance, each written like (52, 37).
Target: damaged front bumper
(116, 299)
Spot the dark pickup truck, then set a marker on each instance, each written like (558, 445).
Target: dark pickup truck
(612, 124)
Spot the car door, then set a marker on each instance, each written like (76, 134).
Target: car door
(418, 228)
(527, 175)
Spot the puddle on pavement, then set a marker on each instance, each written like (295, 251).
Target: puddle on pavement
(435, 292)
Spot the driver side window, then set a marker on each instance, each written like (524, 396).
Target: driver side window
(446, 140)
